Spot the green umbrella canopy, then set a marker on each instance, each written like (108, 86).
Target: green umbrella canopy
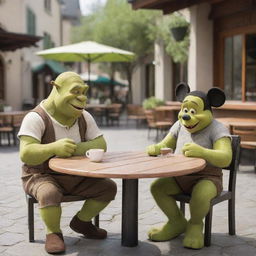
(98, 79)
(87, 51)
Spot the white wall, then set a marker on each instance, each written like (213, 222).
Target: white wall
(200, 64)
(18, 80)
(138, 84)
(163, 73)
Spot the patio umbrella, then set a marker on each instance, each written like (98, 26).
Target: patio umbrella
(99, 79)
(87, 51)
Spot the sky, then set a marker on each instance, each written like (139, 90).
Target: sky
(86, 5)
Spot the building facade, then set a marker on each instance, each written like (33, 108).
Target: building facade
(222, 49)
(33, 17)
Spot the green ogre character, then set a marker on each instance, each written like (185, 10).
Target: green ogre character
(195, 134)
(59, 126)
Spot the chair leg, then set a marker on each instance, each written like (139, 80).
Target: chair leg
(97, 220)
(255, 161)
(31, 220)
(208, 228)
(182, 207)
(231, 217)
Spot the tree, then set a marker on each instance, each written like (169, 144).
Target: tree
(117, 25)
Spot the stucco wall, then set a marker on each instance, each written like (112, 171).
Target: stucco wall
(163, 73)
(200, 64)
(18, 81)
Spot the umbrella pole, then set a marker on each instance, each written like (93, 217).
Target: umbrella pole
(89, 70)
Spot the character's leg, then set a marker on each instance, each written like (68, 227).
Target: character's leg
(103, 194)
(49, 197)
(162, 190)
(203, 192)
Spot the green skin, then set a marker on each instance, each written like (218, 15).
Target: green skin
(203, 192)
(65, 104)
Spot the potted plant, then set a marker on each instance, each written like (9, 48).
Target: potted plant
(152, 102)
(178, 27)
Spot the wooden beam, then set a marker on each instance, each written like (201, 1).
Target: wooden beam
(168, 6)
(148, 4)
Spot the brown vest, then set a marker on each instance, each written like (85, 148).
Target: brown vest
(49, 137)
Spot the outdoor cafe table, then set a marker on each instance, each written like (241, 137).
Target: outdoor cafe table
(128, 166)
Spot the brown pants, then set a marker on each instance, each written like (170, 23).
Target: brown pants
(187, 182)
(49, 189)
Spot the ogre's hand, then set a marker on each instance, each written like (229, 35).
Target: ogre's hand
(153, 150)
(193, 150)
(64, 147)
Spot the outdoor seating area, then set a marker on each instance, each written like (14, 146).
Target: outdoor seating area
(137, 128)
(9, 126)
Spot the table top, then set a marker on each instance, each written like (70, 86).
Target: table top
(128, 165)
(237, 121)
(12, 113)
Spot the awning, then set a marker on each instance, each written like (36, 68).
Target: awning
(55, 66)
(11, 41)
(167, 6)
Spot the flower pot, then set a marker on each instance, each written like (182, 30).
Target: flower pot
(179, 33)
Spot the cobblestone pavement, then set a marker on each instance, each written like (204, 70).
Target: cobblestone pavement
(13, 221)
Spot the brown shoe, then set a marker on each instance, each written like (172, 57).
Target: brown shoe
(87, 229)
(54, 243)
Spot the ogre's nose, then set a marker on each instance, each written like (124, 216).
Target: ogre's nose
(186, 117)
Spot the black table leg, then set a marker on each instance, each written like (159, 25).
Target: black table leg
(130, 213)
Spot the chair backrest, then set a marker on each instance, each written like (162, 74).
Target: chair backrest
(150, 117)
(17, 119)
(135, 110)
(233, 167)
(246, 133)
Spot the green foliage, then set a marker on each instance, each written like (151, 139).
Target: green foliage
(177, 50)
(152, 102)
(117, 25)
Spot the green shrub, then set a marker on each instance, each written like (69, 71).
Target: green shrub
(152, 102)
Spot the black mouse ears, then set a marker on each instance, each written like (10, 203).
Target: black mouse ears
(181, 91)
(215, 96)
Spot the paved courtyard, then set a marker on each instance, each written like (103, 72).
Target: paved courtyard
(13, 221)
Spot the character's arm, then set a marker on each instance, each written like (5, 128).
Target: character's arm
(82, 147)
(168, 142)
(32, 152)
(220, 155)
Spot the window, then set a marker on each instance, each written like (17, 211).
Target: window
(47, 41)
(31, 22)
(240, 67)
(47, 5)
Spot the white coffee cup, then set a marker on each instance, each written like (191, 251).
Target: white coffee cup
(95, 155)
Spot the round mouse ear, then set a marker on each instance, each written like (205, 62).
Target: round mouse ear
(182, 89)
(216, 97)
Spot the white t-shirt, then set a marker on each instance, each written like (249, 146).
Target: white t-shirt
(33, 125)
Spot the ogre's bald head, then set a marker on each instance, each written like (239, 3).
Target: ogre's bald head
(67, 78)
(68, 97)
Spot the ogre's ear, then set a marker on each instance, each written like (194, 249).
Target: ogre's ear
(182, 89)
(216, 97)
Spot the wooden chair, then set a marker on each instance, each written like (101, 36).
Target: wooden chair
(31, 201)
(247, 134)
(16, 123)
(114, 113)
(6, 130)
(225, 195)
(156, 123)
(135, 112)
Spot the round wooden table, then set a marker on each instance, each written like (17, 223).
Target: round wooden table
(129, 166)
